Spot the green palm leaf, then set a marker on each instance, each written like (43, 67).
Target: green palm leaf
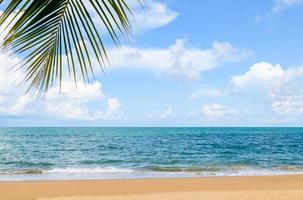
(45, 30)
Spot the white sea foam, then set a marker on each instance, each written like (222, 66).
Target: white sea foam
(89, 170)
(112, 172)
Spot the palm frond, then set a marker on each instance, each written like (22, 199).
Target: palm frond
(48, 29)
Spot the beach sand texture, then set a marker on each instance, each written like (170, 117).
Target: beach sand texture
(216, 188)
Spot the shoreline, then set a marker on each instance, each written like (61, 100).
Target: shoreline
(147, 178)
(78, 174)
(191, 188)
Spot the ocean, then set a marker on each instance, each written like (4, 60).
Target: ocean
(117, 153)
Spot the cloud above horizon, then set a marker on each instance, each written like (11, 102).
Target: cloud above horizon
(215, 110)
(165, 114)
(80, 103)
(282, 86)
(266, 93)
(178, 60)
(73, 102)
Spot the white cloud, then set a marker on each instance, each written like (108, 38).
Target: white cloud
(280, 5)
(282, 87)
(213, 111)
(74, 103)
(71, 102)
(208, 93)
(68, 110)
(19, 106)
(289, 105)
(10, 83)
(9, 78)
(83, 92)
(13, 99)
(113, 104)
(265, 94)
(165, 114)
(260, 72)
(153, 14)
(178, 59)
(113, 112)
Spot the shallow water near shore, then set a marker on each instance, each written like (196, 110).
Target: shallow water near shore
(111, 153)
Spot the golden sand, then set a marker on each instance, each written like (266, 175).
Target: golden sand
(218, 188)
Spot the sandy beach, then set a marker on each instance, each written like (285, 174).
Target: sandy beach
(233, 188)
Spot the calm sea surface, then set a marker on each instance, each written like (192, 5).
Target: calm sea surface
(104, 153)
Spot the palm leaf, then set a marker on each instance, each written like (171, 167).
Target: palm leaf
(47, 29)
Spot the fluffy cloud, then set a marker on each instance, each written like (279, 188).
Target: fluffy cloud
(265, 94)
(72, 103)
(13, 100)
(262, 72)
(18, 107)
(152, 15)
(283, 87)
(75, 103)
(113, 104)
(113, 112)
(213, 111)
(81, 92)
(8, 77)
(289, 105)
(178, 59)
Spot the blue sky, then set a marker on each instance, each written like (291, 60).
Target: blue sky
(188, 63)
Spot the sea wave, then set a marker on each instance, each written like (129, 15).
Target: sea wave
(90, 170)
(29, 164)
(291, 168)
(113, 172)
(30, 171)
(181, 169)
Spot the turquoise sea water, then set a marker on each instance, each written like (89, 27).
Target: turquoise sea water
(102, 153)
